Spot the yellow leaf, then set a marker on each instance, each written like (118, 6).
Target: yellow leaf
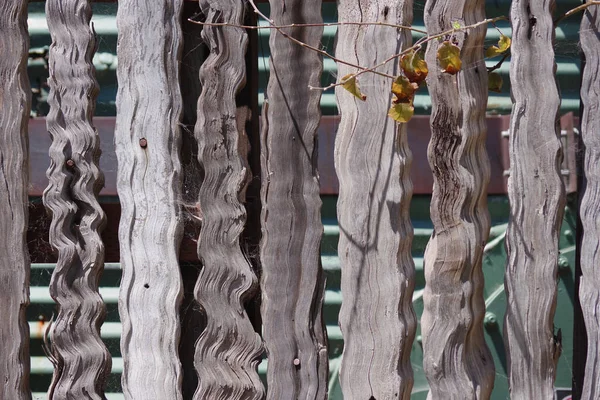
(350, 84)
(495, 82)
(414, 67)
(449, 56)
(401, 112)
(503, 45)
(404, 89)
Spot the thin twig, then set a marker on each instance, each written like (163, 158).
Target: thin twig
(499, 64)
(576, 10)
(410, 28)
(361, 70)
(300, 43)
(415, 47)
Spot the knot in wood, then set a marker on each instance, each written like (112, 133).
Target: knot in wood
(143, 143)
(70, 163)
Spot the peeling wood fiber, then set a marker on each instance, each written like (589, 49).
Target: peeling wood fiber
(456, 360)
(81, 360)
(15, 104)
(373, 161)
(589, 291)
(292, 280)
(148, 141)
(228, 350)
(537, 201)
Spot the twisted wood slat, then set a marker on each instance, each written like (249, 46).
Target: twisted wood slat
(228, 350)
(373, 161)
(589, 290)
(456, 360)
(81, 360)
(15, 103)
(148, 142)
(292, 279)
(537, 201)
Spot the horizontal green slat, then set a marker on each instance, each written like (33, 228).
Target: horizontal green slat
(110, 295)
(109, 330)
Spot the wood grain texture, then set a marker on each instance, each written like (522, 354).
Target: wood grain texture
(81, 361)
(373, 162)
(148, 142)
(228, 350)
(589, 291)
(15, 103)
(537, 201)
(456, 360)
(292, 282)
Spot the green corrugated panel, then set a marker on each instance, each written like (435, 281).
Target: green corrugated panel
(493, 264)
(567, 56)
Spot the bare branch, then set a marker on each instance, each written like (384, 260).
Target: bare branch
(254, 27)
(576, 10)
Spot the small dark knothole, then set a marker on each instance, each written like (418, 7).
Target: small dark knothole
(532, 21)
(143, 143)
(146, 285)
(70, 163)
(372, 398)
(386, 11)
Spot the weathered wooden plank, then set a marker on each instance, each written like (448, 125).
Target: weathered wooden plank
(81, 360)
(147, 140)
(537, 200)
(589, 290)
(228, 350)
(456, 360)
(15, 103)
(292, 282)
(373, 161)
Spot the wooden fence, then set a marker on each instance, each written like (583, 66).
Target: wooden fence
(261, 287)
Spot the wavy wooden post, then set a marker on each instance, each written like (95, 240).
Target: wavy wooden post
(15, 102)
(292, 281)
(81, 360)
(147, 140)
(537, 200)
(589, 290)
(228, 351)
(372, 161)
(456, 360)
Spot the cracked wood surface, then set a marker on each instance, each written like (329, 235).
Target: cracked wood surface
(15, 103)
(292, 279)
(456, 360)
(148, 141)
(373, 161)
(537, 201)
(81, 360)
(228, 350)
(589, 291)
